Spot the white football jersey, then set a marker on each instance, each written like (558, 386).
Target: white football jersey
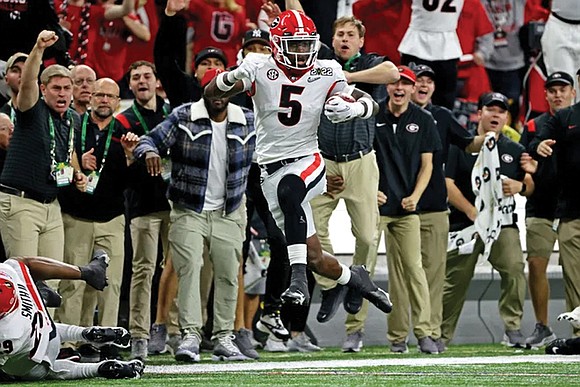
(287, 109)
(26, 332)
(432, 32)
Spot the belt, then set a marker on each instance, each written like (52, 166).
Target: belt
(273, 167)
(24, 194)
(347, 158)
(569, 21)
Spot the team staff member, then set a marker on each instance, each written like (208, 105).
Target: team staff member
(560, 136)
(506, 253)
(95, 219)
(540, 208)
(30, 219)
(351, 169)
(433, 209)
(148, 207)
(405, 140)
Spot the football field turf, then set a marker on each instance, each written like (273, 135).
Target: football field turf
(461, 365)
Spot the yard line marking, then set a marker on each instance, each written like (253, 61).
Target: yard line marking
(333, 364)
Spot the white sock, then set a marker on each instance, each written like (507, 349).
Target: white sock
(344, 276)
(297, 254)
(66, 370)
(70, 332)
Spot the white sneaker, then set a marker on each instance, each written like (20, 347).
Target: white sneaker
(275, 345)
(302, 343)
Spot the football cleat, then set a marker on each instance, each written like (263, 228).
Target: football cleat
(117, 336)
(116, 369)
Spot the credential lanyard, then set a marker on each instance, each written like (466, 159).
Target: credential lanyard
(52, 132)
(107, 143)
(140, 117)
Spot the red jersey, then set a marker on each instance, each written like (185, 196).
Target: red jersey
(217, 27)
(136, 48)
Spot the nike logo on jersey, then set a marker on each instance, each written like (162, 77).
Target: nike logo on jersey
(312, 79)
(379, 124)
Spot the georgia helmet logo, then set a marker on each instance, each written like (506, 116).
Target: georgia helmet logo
(412, 128)
(507, 158)
(275, 22)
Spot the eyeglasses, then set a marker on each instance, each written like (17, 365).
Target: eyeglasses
(103, 95)
(80, 81)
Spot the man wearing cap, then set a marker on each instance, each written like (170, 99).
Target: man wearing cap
(560, 136)
(351, 171)
(12, 76)
(148, 208)
(30, 219)
(211, 142)
(405, 140)
(433, 209)
(506, 254)
(540, 207)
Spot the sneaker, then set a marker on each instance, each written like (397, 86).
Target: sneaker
(572, 317)
(89, 354)
(275, 345)
(302, 343)
(157, 339)
(559, 347)
(119, 337)
(115, 369)
(441, 347)
(514, 338)
(541, 336)
(138, 349)
(244, 343)
(226, 350)
(427, 345)
(69, 354)
(400, 347)
(188, 350)
(369, 290)
(110, 352)
(272, 324)
(297, 293)
(331, 299)
(173, 342)
(353, 342)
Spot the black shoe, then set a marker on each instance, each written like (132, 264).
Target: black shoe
(559, 347)
(116, 336)
(89, 354)
(361, 281)
(353, 301)
(115, 369)
(50, 297)
(69, 354)
(331, 299)
(110, 352)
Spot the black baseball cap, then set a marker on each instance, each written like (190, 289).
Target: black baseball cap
(493, 99)
(421, 70)
(256, 36)
(559, 77)
(211, 52)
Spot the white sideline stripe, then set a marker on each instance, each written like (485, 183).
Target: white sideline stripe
(333, 364)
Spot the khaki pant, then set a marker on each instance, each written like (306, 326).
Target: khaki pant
(82, 237)
(361, 179)
(540, 237)
(434, 232)
(145, 233)
(224, 236)
(407, 279)
(507, 258)
(569, 241)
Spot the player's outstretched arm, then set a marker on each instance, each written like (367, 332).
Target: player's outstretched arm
(381, 74)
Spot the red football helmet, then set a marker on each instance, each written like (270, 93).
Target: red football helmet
(8, 297)
(294, 40)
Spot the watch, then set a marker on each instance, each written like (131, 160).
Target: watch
(524, 187)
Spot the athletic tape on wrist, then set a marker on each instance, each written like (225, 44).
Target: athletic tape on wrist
(219, 82)
(367, 104)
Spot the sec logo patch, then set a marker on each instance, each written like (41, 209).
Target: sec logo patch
(507, 158)
(272, 74)
(412, 128)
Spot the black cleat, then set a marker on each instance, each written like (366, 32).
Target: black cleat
(559, 347)
(297, 293)
(116, 369)
(331, 299)
(117, 336)
(361, 281)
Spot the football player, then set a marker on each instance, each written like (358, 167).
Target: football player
(289, 88)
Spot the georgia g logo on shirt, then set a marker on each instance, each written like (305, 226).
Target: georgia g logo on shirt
(412, 128)
(507, 158)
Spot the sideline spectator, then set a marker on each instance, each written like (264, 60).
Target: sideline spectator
(12, 77)
(83, 78)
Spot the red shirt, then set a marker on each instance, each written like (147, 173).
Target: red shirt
(136, 48)
(217, 27)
